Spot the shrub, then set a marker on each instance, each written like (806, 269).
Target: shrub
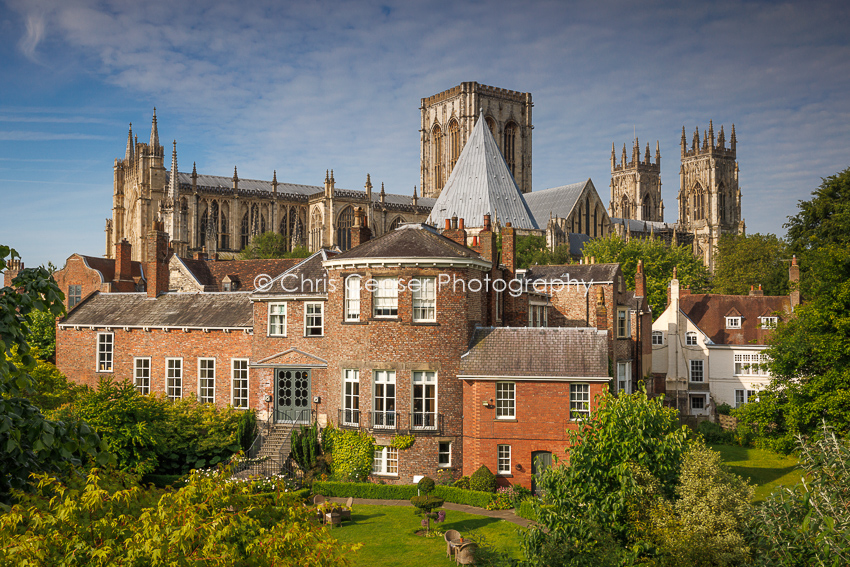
(399, 492)
(713, 433)
(464, 496)
(425, 485)
(426, 503)
(483, 480)
(527, 509)
(353, 453)
(508, 497)
(462, 482)
(724, 409)
(445, 477)
(403, 442)
(305, 446)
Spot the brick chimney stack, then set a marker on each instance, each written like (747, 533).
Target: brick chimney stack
(794, 278)
(158, 255)
(360, 233)
(123, 268)
(455, 230)
(640, 280)
(13, 268)
(201, 254)
(487, 241)
(754, 291)
(509, 248)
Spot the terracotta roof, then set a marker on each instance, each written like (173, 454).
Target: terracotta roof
(411, 240)
(526, 351)
(308, 277)
(581, 272)
(211, 273)
(709, 312)
(212, 310)
(106, 267)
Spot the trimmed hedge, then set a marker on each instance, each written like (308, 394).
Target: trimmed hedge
(302, 494)
(526, 510)
(399, 492)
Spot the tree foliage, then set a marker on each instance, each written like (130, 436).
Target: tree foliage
(270, 245)
(353, 453)
(209, 522)
(825, 218)
(29, 442)
(749, 260)
(658, 263)
(531, 249)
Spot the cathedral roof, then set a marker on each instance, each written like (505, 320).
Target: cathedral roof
(412, 240)
(481, 184)
(556, 201)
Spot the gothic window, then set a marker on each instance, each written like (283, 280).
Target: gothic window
(722, 191)
(212, 228)
(510, 146)
(222, 226)
(491, 124)
(587, 217)
(596, 222)
(296, 229)
(454, 143)
(184, 218)
(315, 230)
(205, 218)
(343, 228)
(396, 223)
(624, 208)
(246, 230)
(646, 208)
(437, 156)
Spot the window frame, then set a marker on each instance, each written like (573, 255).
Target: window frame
(144, 389)
(201, 378)
(447, 453)
(768, 322)
(425, 382)
(692, 370)
(624, 379)
(389, 417)
(503, 459)
(505, 400)
(426, 286)
(105, 361)
(577, 414)
(351, 376)
(538, 315)
(75, 295)
(285, 316)
(384, 458)
(733, 322)
(624, 323)
(691, 338)
(657, 335)
(235, 400)
(391, 299)
(697, 397)
(308, 315)
(350, 313)
(168, 387)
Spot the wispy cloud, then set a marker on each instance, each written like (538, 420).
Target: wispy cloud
(34, 34)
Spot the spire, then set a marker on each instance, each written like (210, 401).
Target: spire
(733, 141)
(154, 134)
(695, 145)
(721, 139)
(174, 190)
(646, 157)
(704, 140)
(383, 194)
(274, 181)
(613, 156)
(415, 198)
(711, 134)
(128, 156)
(657, 152)
(194, 176)
(623, 160)
(235, 179)
(636, 152)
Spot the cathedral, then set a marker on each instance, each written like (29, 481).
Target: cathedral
(220, 215)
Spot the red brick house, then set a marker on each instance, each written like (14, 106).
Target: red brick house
(83, 275)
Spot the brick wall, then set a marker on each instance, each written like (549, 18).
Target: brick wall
(75, 272)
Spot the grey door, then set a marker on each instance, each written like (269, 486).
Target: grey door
(540, 461)
(292, 402)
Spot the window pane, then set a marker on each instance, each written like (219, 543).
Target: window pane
(505, 399)
(579, 401)
(385, 297)
(352, 298)
(142, 375)
(313, 319)
(174, 378)
(104, 352)
(504, 459)
(424, 299)
(240, 384)
(206, 380)
(277, 319)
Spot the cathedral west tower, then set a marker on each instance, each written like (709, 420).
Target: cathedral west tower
(636, 185)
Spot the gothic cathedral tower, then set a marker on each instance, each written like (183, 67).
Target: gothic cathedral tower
(636, 185)
(447, 122)
(709, 195)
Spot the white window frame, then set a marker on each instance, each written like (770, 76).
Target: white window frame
(505, 400)
(142, 374)
(105, 352)
(75, 295)
(503, 459)
(385, 461)
(700, 373)
(733, 322)
(385, 298)
(750, 364)
(239, 372)
(624, 377)
(657, 338)
(424, 380)
(579, 401)
(174, 390)
(624, 323)
(769, 322)
(424, 291)
(307, 316)
(691, 338)
(447, 453)
(206, 399)
(278, 328)
(385, 382)
(350, 396)
(352, 298)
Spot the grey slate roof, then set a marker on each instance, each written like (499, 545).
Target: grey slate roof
(585, 272)
(556, 201)
(481, 183)
(411, 240)
(308, 277)
(210, 310)
(533, 351)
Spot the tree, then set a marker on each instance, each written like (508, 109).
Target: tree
(29, 442)
(658, 263)
(746, 260)
(531, 249)
(271, 245)
(824, 219)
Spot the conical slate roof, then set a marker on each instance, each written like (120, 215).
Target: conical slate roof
(480, 184)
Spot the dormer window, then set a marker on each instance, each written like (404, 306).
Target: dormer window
(768, 322)
(230, 283)
(690, 338)
(733, 322)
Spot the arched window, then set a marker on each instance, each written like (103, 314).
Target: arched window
(722, 205)
(315, 230)
(587, 217)
(222, 226)
(596, 221)
(205, 219)
(624, 208)
(343, 228)
(246, 230)
(454, 143)
(396, 223)
(510, 146)
(296, 229)
(491, 124)
(646, 208)
(437, 156)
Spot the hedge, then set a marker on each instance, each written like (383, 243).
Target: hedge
(526, 510)
(399, 492)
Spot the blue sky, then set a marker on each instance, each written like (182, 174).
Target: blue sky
(306, 86)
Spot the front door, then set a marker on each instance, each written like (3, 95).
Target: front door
(292, 402)
(540, 461)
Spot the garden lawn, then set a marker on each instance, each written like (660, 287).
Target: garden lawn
(387, 535)
(766, 469)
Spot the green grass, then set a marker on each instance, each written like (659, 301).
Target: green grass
(766, 469)
(387, 535)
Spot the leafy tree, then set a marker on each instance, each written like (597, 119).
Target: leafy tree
(808, 524)
(824, 219)
(746, 260)
(531, 249)
(272, 245)
(658, 263)
(591, 495)
(29, 442)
